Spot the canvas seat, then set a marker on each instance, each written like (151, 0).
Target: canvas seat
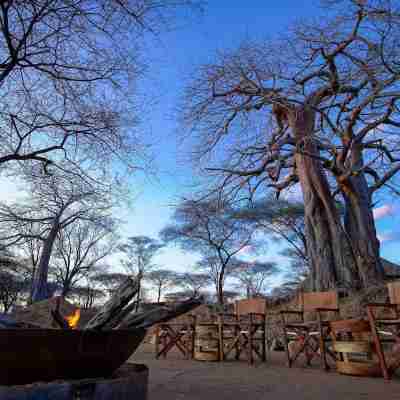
(244, 331)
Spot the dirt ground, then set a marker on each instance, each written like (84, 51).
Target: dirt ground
(175, 378)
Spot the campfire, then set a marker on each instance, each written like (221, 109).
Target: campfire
(73, 319)
(31, 353)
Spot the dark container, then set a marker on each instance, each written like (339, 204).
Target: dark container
(32, 355)
(127, 383)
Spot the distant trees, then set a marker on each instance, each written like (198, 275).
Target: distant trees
(193, 283)
(86, 296)
(161, 279)
(56, 202)
(139, 252)
(253, 277)
(209, 228)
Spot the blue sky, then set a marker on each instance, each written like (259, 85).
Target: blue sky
(173, 56)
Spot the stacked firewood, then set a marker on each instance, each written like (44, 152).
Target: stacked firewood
(118, 312)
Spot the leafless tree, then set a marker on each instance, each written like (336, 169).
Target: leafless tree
(79, 249)
(318, 107)
(210, 229)
(55, 203)
(67, 76)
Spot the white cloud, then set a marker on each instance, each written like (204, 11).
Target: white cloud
(388, 236)
(381, 212)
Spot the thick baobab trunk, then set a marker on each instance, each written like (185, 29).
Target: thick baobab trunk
(40, 284)
(360, 224)
(329, 251)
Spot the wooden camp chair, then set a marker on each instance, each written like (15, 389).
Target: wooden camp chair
(359, 351)
(176, 334)
(386, 326)
(310, 337)
(244, 331)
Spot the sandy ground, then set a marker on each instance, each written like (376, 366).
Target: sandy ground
(175, 378)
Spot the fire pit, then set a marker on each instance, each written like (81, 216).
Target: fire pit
(127, 383)
(29, 355)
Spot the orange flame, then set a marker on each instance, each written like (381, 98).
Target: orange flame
(74, 318)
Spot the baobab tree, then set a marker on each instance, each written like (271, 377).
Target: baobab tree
(318, 108)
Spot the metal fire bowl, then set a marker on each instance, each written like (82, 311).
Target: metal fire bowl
(34, 355)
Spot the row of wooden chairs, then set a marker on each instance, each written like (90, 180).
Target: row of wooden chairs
(314, 330)
(241, 333)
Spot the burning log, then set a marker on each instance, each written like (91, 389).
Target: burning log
(115, 306)
(160, 314)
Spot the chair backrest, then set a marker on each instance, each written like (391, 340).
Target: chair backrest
(313, 300)
(256, 305)
(394, 292)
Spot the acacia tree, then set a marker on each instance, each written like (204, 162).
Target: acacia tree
(281, 219)
(67, 70)
(254, 277)
(79, 249)
(209, 228)
(139, 252)
(55, 203)
(317, 108)
(162, 279)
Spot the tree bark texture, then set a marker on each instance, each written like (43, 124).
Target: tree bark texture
(329, 250)
(360, 224)
(40, 285)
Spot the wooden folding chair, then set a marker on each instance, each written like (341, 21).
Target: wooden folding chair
(386, 326)
(359, 351)
(310, 337)
(179, 335)
(244, 331)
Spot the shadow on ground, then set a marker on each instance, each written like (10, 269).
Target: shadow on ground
(175, 378)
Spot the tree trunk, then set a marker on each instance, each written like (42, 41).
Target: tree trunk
(220, 288)
(360, 224)
(40, 288)
(329, 251)
(159, 294)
